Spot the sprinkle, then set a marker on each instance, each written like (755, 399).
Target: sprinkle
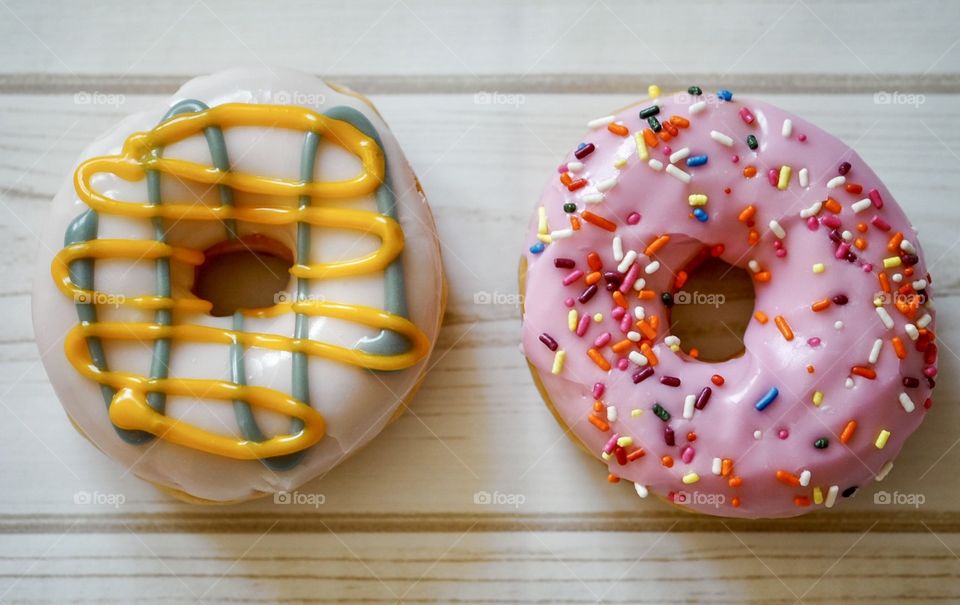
(752, 141)
(838, 325)
(787, 478)
(885, 318)
(677, 173)
(670, 381)
(642, 491)
(647, 112)
(721, 138)
(542, 220)
(703, 397)
(655, 124)
(924, 321)
(584, 151)
(697, 199)
(697, 160)
(549, 341)
(572, 318)
(628, 259)
(661, 413)
(767, 399)
(891, 262)
(698, 107)
(716, 466)
(746, 115)
(784, 180)
(882, 439)
(875, 350)
(642, 375)
(598, 422)
(652, 267)
(641, 146)
(689, 404)
(832, 496)
(655, 164)
(821, 443)
(607, 184)
(860, 206)
(690, 478)
(804, 177)
(612, 415)
(835, 182)
(680, 154)
(777, 229)
(757, 435)
(617, 248)
(537, 248)
(572, 277)
(600, 122)
(724, 95)
(817, 495)
(653, 91)
(594, 197)
(885, 470)
(847, 434)
(907, 403)
(863, 372)
(561, 234)
(637, 358)
(597, 220)
(805, 478)
(817, 398)
(558, 360)
(574, 166)
(656, 245)
(784, 327)
(787, 129)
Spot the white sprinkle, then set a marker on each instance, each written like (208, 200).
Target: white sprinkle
(804, 177)
(717, 466)
(920, 284)
(640, 284)
(907, 247)
(805, 478)
(651, 268)
(679, 174)
(885, 470)
(639, 312)
(607, 184)
(698, 107)
(634, 336)
(637, 358)
(611, 413)
(787, 128)
(885, 318)
(849, 383)
(561, 234)
(680, 154)
(777, 229)
(600, 122)
(757, 435)
(812, 210)
(838, 325)
(628, 260)
(671, 341)
(862, 205)
(617, 248)
(875, 350)
(847, 236)
(592, 198)
(688, 404)
(641, 490)
(897, 277)
(754, 265)
(721, 138)
(907, 403)
(655, 164)
(924, 321)
(832, 496)
(574, 166)
(836, 181)
(912, 331)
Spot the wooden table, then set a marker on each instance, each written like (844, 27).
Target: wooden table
(486, 98)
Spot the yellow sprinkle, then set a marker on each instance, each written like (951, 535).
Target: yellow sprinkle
(598, 317)
(572, 318)
(545, 238)
(654, 91)
(817, 495)
(625, 441)
(636, 412)
(882, 439)
(542, 225)
(558, 360)
(819, 268)
(697, 199)
(891, 262)
(691, 478)
(818, 398)
(784, 177)
(620, 162)
(641, 146)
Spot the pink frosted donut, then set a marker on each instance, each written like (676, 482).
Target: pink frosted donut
(840, 357)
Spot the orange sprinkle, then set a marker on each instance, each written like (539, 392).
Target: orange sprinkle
(788, 478)
(726, 467)
(784, 327)
(735, 502)
(611, 478)
(566, 179)
(848, 430)
(646, 329)
(656, 245)
(681, 279)
(908, 271)
(750, 172)
(575, 223)
(649, 138)
(691, 436)
(597, 405)
(593, 259)
(811, 369)
(761, 317)
(618, 129)
(860, 243)
(753, 237)
(654, 321)
(598, 422)
(694, 352)
(670, 128)
(599, 221)
(894, 244)
(622, 346)
(735, 481)
(832, 205)
(680, 121)
(594, 277)
(898, 347)
(663, 134)
(646, 294)
(866, 372)
(762, 277)
(717, 379)
(747, 214)
(598, 359)
(862, 227)
(619, 299)
(820, 305)
(801, 500)
(667, 461)
(884, 282)
(649, 354)
(636, 454)
(854, 188)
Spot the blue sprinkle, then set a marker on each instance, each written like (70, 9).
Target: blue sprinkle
(537, 248)
(767, 399)
(725, 94)
(581, 145)
(697, 160)
(701, 215)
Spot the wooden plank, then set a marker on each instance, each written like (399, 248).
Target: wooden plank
(572, 40)
(478, 424)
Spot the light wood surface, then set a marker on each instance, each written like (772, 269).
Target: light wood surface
(401, 522)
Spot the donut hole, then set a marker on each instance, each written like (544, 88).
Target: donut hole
(710, 313)
(251, 272)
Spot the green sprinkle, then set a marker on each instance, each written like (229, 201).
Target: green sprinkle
(752, 141)
(661, 413)
(821, 443)
(695, 91)
(654, 124)
(569, 207)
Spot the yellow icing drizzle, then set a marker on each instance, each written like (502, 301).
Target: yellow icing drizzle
(129, 408)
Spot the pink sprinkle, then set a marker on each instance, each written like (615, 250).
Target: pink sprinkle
(572, 277)
(618, 313)
(633, 218)
(667, 150)
(625, 324)
(876, 199)
(813, 342)
(783, 433)
(583, 325)
(867, 267)
(630, 279)
(611, 443)
(777, 244)
(831, 221)
(746, 116)
(880, 224)
(842, 250)
(569, 302)
(813, 224)
(781, 253)
(734, 158)
(562, 168)
(687, 454)
(623, 364)
(598, 389)
(802, 138)
(773, 176)
(930, 371)
(603, 340)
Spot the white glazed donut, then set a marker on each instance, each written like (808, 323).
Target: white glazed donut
(231, 166)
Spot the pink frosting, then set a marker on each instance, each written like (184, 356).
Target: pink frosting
(774, 469)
